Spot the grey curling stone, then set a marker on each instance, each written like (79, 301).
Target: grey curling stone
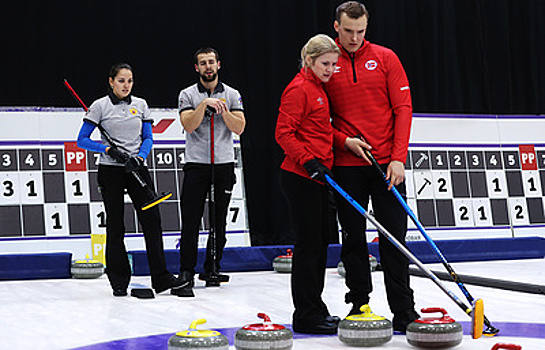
(261, 336)
(372, 263)
(86, 268)
(282, 263)
(194, 339)
(365, 330)
(436, 333)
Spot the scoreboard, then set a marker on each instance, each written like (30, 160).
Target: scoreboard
(48, 185)
(468, 176)
(477, 176)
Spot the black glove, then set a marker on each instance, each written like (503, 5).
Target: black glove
(317, 170)
(120, 157)
(209, 112)
(133, 164)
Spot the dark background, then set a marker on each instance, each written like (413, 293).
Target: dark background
(461, 56)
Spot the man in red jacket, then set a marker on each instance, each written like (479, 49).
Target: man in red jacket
(371, 108)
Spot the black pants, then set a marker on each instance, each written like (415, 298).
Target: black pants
(308, 207)
(363, 183)
(196, 185)
(113, 180)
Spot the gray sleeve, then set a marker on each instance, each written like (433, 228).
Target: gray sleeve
(146, 113)
(235, 101)
(184, 101)
(94, 113)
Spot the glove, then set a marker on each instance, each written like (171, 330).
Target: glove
(133, 164)
(208, 112)
(120, 157)
(317, 170)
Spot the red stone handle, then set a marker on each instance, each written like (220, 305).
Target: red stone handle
(506, 346)
(434, 309)
(265, 317)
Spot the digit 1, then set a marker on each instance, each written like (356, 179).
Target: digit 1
(102, 219)
(496, 182)
(31, 189)
(532, 185)
(77, 185)
(481, 210)
(57, 218)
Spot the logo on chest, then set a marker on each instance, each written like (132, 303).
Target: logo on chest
(371, 65)
(320, 101)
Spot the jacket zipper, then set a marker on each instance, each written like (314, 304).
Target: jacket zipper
(355, 78)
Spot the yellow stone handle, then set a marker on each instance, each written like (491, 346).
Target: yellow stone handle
(196, 322)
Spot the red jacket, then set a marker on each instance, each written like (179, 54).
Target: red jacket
(304, 129)
(370, 97)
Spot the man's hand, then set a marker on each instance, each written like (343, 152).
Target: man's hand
(395, 173)
(357, 145)
(216, 104)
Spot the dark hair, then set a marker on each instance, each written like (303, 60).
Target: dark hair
(117, 67)
(353, 9)
(206, 50)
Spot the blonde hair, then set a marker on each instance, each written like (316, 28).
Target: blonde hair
(317, 46)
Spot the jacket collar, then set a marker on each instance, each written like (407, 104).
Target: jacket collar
(219, 87)
(308, 73)
(116, 100)
(357, 53)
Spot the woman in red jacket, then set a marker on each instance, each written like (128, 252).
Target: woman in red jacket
(304, 132)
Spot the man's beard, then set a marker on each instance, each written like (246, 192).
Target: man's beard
(209, 78)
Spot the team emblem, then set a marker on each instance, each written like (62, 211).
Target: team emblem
(133, 111)
(371, 65)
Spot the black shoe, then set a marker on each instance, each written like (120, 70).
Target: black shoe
(186, 287)
(185, 292)
(170, 283)
(120, 292)
(316, 328)
(402, 319)
(214, 277)
(333, 319)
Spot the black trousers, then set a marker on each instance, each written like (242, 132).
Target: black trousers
(196, 185)
(363, 183)
(113, 181)
(308, 207)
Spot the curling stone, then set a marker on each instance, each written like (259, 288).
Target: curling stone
(87, 268)
(435, 332)
(194, 339)
(372, 264)
(266, 335)
(365, 329)
(282, 263)
(506, 346)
